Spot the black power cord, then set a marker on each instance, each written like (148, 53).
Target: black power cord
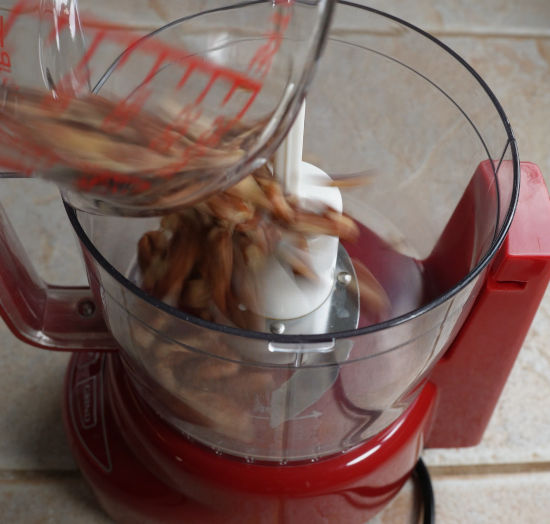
(427, 492)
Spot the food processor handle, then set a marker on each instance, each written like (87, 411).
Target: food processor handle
(471, 375)
(49, 317)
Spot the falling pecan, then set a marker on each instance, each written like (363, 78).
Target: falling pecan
(352, 180)
(245, 285)
(249, 190)
(196, 294)
(219, 264)
(299, 260)
(151, 245)
(281, 208)
(371, 293)
(230, 208)
(217, 250)
(330, 222)
(264, 236)
(251, 224)
(183, 253)
(213, 368)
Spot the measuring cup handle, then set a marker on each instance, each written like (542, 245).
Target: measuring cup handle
(49, 317)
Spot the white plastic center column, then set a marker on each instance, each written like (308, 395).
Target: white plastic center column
(288, 297)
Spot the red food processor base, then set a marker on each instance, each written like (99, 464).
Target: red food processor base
(144, 472)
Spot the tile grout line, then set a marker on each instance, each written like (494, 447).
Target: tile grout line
(56, 476)
(483, 33)
(489, 469)
(38, 476)
(488, 33)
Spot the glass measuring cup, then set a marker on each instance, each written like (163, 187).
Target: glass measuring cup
(192, 97)
(430, 227)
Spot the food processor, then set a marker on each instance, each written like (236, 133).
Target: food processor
(320, 417)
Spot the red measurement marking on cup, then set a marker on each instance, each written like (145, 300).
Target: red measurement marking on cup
(55, 105)
(125, 111)
(5, 60)
(98, 38)
(263, 59)
(116, 183)
(177, 127)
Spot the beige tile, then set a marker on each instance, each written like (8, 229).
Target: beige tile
(518, 72)
(38, 216)
(49, 502)
(506, 499)
(31, 430)
(144, 13)
(459, 16)
(434, 15)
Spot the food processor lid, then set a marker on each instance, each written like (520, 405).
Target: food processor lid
(497, 242)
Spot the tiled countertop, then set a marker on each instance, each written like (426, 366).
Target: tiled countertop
(506, 479)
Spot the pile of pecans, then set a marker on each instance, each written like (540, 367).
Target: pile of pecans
(206, 260)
